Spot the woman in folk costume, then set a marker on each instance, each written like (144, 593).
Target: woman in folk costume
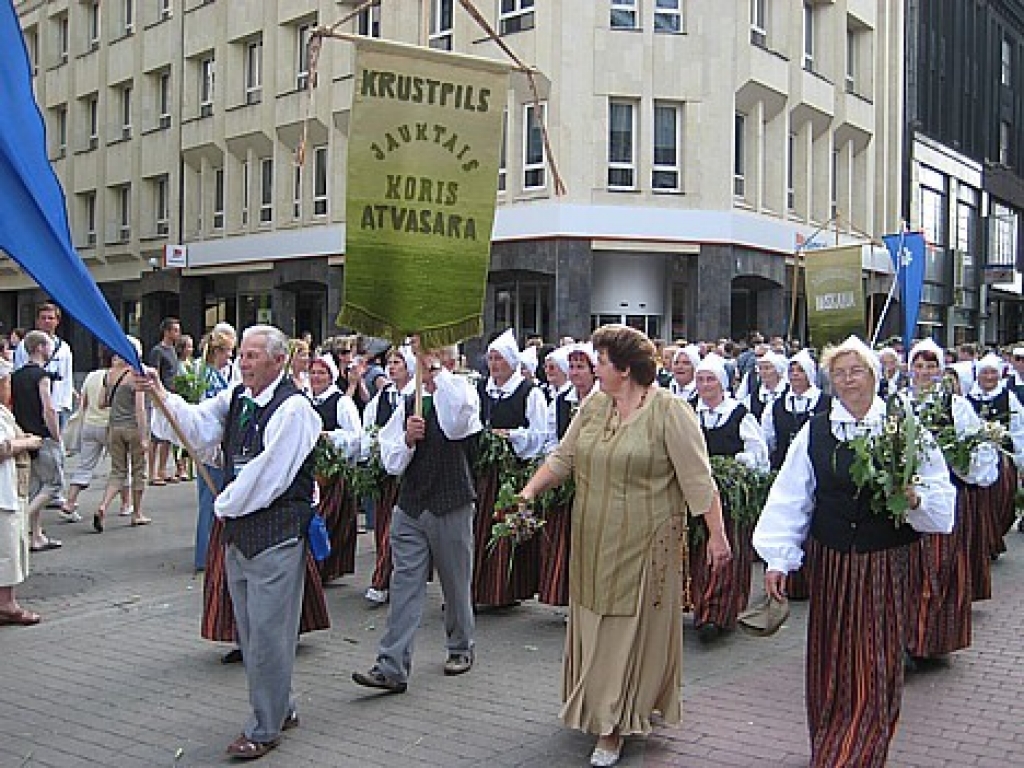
(857, 564)
(940, 594)
(684, 367)
(771, 370)
(343, 428)
(994, 401)
(783, 420)
(555, 535)
(514, 410)
(556, 371)
(892, 380)
(401, 371)
(729, 430)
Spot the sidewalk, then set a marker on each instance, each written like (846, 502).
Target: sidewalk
(117, 675)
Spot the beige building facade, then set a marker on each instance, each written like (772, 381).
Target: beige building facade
(699, 144)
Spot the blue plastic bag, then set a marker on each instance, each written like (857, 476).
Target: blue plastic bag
(319, 540)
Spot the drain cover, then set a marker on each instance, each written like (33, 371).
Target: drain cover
(45, 584)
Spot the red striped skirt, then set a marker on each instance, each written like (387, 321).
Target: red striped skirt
(939, 590)
(719, 596)
(856, 631)
(973, 518)
(554, 555)
(340, 511)
(383, 566)
(504, 573)
(797, 587)
(218, 621)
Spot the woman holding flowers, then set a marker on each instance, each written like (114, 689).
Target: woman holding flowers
(732, 432)
(941, 566)
(638, 460)
(853, 492)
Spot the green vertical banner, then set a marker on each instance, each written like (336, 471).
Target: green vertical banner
(833, 280)
(423, 153)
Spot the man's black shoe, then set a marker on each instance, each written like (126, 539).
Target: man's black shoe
(376, 679)
(458, 663)
(234, 656)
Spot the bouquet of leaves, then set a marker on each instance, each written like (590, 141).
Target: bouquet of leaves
(328, 461)
(191, 383)
(493, 450)
(935, 413)
(366, 479)
(743, 491)
(884, 464)
(514, 520)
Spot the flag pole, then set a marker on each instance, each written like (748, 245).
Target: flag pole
(183, 441)
(892, 289)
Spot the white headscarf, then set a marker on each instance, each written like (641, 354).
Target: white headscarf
(409, 358)
(716, 365)
(6, 368)
(993, 361)
(779, 361)
(927, 345)
(804, 360)
(506, 346)
(528, 359)
(587, 349)
(327, 360)
(692, 353)
(560, 357)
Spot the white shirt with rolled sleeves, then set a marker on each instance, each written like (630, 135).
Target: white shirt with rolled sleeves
(528, 442)
(755, 450)
(458, 415)
(786, 519)
(348, 437)
(288, 437)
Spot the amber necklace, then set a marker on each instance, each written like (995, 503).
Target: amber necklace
(616, 418)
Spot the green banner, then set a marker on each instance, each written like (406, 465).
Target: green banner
(835, 293)
(423, 155)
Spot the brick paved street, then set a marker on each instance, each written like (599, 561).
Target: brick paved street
(117, 676)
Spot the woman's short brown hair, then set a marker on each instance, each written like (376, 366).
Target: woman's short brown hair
(628, 349)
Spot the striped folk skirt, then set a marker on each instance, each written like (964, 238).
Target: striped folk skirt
(554, 555)
(218, 622)
(383, 566)
(939, 590)
(797, 587)
(856, 632)
(340, 511)
(720, 596)
(973, 516)
(504, 573)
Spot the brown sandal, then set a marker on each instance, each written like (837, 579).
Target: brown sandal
(244, 748)
(19, 618)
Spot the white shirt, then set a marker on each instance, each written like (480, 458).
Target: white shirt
(984, 467)
(348, 437)
(685, 391)
(62, 392)
(786, 519)
(370, 413)
(458, 414)
(572, 398)
(528, 442)
(794, 403)
(1016, 417)
(288, 437)
(755, 449)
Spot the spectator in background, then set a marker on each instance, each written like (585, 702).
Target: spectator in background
(184, 347)
(164, 359)
(298, 365)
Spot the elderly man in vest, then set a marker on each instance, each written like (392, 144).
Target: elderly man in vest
(267, 430)
(432, 521)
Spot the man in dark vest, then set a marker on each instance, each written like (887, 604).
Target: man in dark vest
(432, 521)
(267, 429)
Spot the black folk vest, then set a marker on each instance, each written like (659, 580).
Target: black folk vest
(787, 424)
(725, 440)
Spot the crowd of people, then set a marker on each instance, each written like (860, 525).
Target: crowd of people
(614, 442)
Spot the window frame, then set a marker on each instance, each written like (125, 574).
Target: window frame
(297, 193)
(440, 37)
(207, 84)
(677, 148)
(321, 181)
(124, 211)
(125, 95)
(218, 198)
(503, 152)
(128, 16)
(368, 22)
(536, 167)
(1006, 61)
(266, 190)
(161, 206)
(739, 156)
(807, 37)
(246, 197)
(759, 23)
(90, 218)
(626, 10)
(515, 16)
(303, 35)
(666, 13)
(93, 25)
(619, 165)
(254, 71)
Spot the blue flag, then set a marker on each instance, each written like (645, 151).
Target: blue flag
(907, 250)
(33, 217)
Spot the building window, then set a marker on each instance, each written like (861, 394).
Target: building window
(1003, 248)
(90, 218)
(621, 145)
(92, 107)
(967, 224)
(515, 16)
(161, 206)
(245, 192)
(206, 83)
(668, 16)
(833, 192)
(1006, 62)
(933, 207)
(126, 111)
(808, 37)
(791, 172)
(1005, 138)
(668, 123)
(218, 199)
(851, 61)
(61, 119)
(759, 23)
(124, 208)
(320, 169)
(164, 9)
(63, 38)
(503, 153)
(303, 35)
(739, 160)
(368, 24)
(441, 23)
(163, 99)
(525, 306)
(254, 72)
(129, 16)
(297, 193)
(624, 14)
(266, 190)
(93, 24)
(534, 161)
